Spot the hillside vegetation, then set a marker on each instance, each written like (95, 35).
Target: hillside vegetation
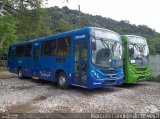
(65, 19)
(43, 22)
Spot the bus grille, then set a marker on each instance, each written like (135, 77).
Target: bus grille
(108, 71)
(141, 77)
(141, 69)
(110, 81)
(113, 76)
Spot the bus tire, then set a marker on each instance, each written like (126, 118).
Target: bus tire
(20, 75)
(62, 80)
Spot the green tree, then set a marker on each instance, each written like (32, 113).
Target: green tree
(7, 32)
(14, 6)
(34, 25)
(20, 18)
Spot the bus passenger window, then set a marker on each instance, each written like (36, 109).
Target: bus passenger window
(76, 52)
(64, 45)
(28, 50)
(84, 56)
(84, 50)
(19, 51)
(24, 50)
(49, 48)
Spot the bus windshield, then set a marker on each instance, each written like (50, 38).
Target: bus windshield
(107, 51)
(138, 51)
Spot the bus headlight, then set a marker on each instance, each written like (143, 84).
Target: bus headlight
(95, 74)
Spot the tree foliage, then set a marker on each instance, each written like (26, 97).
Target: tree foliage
(21, 20)
(34, 25)
(14, 6)
(29, 21)
(7, 32)
(64, 19)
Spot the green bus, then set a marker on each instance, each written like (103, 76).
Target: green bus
(136, 58)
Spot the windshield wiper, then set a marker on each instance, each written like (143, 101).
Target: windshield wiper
(139, 48)
(104, 43)
(114, 45)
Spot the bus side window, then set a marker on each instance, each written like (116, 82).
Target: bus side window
(36, 53)
(84, 50)
(20, 51)
(28, 50)
(47, 48)
(63, 48)
(84, 56)
(76, 52)
(24, 50)
(131, 50)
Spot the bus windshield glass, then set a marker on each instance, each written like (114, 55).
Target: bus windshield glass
(106, 49)
(138, 51)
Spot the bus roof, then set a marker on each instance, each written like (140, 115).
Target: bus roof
(63, 34)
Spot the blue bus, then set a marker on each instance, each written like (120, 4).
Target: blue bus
(89, 57)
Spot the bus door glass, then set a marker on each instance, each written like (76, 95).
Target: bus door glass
(36, 58)
(80, 65)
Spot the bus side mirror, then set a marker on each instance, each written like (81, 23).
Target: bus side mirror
(123, 52)
(93, 45)
(131, 50)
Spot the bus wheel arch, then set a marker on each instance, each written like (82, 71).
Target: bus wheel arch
(19, 72)
(61, 79)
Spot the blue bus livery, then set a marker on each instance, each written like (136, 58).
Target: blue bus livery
(89, 57)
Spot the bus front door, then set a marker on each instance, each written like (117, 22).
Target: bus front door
(80, 63)
(36, 62)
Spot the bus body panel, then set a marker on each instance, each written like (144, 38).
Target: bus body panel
(108, 79)
(133, 73)
(45, 67)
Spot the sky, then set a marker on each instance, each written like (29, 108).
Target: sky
(139, 12)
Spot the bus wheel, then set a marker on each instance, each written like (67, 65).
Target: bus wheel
(20, 73)
(62, 80)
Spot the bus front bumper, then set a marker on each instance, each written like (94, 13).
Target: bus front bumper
(102, 83)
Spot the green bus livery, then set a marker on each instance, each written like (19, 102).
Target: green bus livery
(136, 58)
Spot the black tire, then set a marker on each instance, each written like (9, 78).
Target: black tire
(62, 80)
(20, 75)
